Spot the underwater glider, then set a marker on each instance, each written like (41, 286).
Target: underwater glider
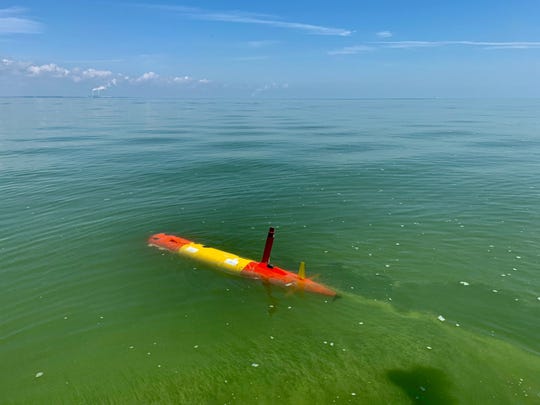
(233, 264)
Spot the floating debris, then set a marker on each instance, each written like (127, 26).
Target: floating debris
(429, 347)
(441, 318)
(464, 283)
(495, 291)
(196, 346)
(254, 364)
(39, 374)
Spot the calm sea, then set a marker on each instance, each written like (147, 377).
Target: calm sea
(424, 214)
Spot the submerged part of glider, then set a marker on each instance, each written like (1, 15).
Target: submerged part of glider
(234, 264)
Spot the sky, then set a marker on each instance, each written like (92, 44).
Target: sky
(278, 49)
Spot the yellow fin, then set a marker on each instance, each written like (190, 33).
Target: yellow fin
(302, 270)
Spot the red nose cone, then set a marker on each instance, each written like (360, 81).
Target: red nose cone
(169, 242)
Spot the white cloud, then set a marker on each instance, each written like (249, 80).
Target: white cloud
(50, 69)
(250, 18)
(182, 79)
(101, 80)
(7, 62)
(145, 77)
(483, 44)
(93, 73)
(351, 50)
(13, 22)
(384, 34)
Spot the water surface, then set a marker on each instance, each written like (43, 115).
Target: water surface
(422, 213)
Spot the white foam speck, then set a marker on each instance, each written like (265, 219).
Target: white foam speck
(254, 364)
(196, 346)
(441, 318)
(429, 347)
(463, 283)
(39, 374)
(495, 291)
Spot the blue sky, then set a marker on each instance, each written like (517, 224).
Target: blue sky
(271, 49)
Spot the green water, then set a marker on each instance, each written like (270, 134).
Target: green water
(412, 209)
